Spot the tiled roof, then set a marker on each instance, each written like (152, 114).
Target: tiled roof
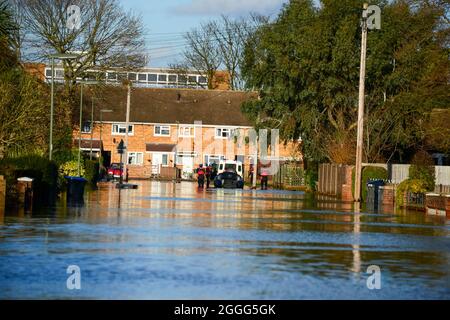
(184, 106)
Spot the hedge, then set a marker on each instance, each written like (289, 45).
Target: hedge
(367, 174)
(43, 171)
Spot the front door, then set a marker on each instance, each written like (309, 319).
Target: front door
(188, 166)
(156, 163)
(158, 160)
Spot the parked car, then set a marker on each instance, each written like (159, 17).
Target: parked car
(230, 165)
(229, 180)
(114, 171)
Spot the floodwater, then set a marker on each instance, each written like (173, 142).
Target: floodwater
(170, 241)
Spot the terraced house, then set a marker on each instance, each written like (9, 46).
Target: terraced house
(173, 121)
(171, 127)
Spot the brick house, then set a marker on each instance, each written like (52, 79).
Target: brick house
(170, 127)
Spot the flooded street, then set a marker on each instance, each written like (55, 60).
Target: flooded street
(170, 241)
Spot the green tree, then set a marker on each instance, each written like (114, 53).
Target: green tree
(7, 27)
(306, 67)
(23, 99)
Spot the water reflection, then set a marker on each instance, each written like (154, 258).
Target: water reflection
(167, 240)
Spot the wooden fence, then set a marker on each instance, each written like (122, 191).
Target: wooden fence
(332, 177)
(400, 172)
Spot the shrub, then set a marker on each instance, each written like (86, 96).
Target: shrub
(43, 171)
(368, 173)
(311, 177)
(409, 185)
(91, 170)
(422, 168)
(63, 156)
(69, 168)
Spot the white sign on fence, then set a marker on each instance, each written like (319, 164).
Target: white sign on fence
(400, 172)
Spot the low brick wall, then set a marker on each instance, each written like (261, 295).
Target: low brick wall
(438, 204)
(347, 193)
(169, 173)
(388, 195)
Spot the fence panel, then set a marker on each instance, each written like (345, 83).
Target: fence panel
(400, 172)
(442, 175)
(331, 178)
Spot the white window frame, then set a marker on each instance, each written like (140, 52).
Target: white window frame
(182, 131)
(221, 158)
(182, 154)
(222, 129)
(84, 126)
(160, 130)
(136, 157)
(121, 125)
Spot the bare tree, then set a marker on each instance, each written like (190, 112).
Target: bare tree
(202, 53)
(107, 35)
(226, 33)
(219, 44)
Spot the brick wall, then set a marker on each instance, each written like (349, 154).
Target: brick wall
(205, 143)
(347, 194)
(388, 195)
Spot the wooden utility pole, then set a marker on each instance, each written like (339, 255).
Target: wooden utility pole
(255, 169)
(255, 159)
(371, 19)
(126, 130)
(362, 77)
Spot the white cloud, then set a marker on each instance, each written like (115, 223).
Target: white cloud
(228, 7)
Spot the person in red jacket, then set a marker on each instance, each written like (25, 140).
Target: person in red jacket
(264, 178)
(201, 176)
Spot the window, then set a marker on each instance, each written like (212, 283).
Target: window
(172, 78)
(165, 159)
(59, 73)
(48, 72)
(162, 130)
(132, 76)
(86, 128)
(182, 79)
(162, 78)
(202, 80)
(142, 77)
(135, 158)
(92, 75)
(112, 76)
(187, 131)
(223, 133)
(230, 167)
(152, 77)
(210, 159)
(120, 129)
(192, 79)
(185, 158)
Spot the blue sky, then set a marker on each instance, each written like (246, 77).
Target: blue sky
(166, 21)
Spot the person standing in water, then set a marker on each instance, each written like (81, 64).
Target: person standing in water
(264, 178)
(201, 176)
